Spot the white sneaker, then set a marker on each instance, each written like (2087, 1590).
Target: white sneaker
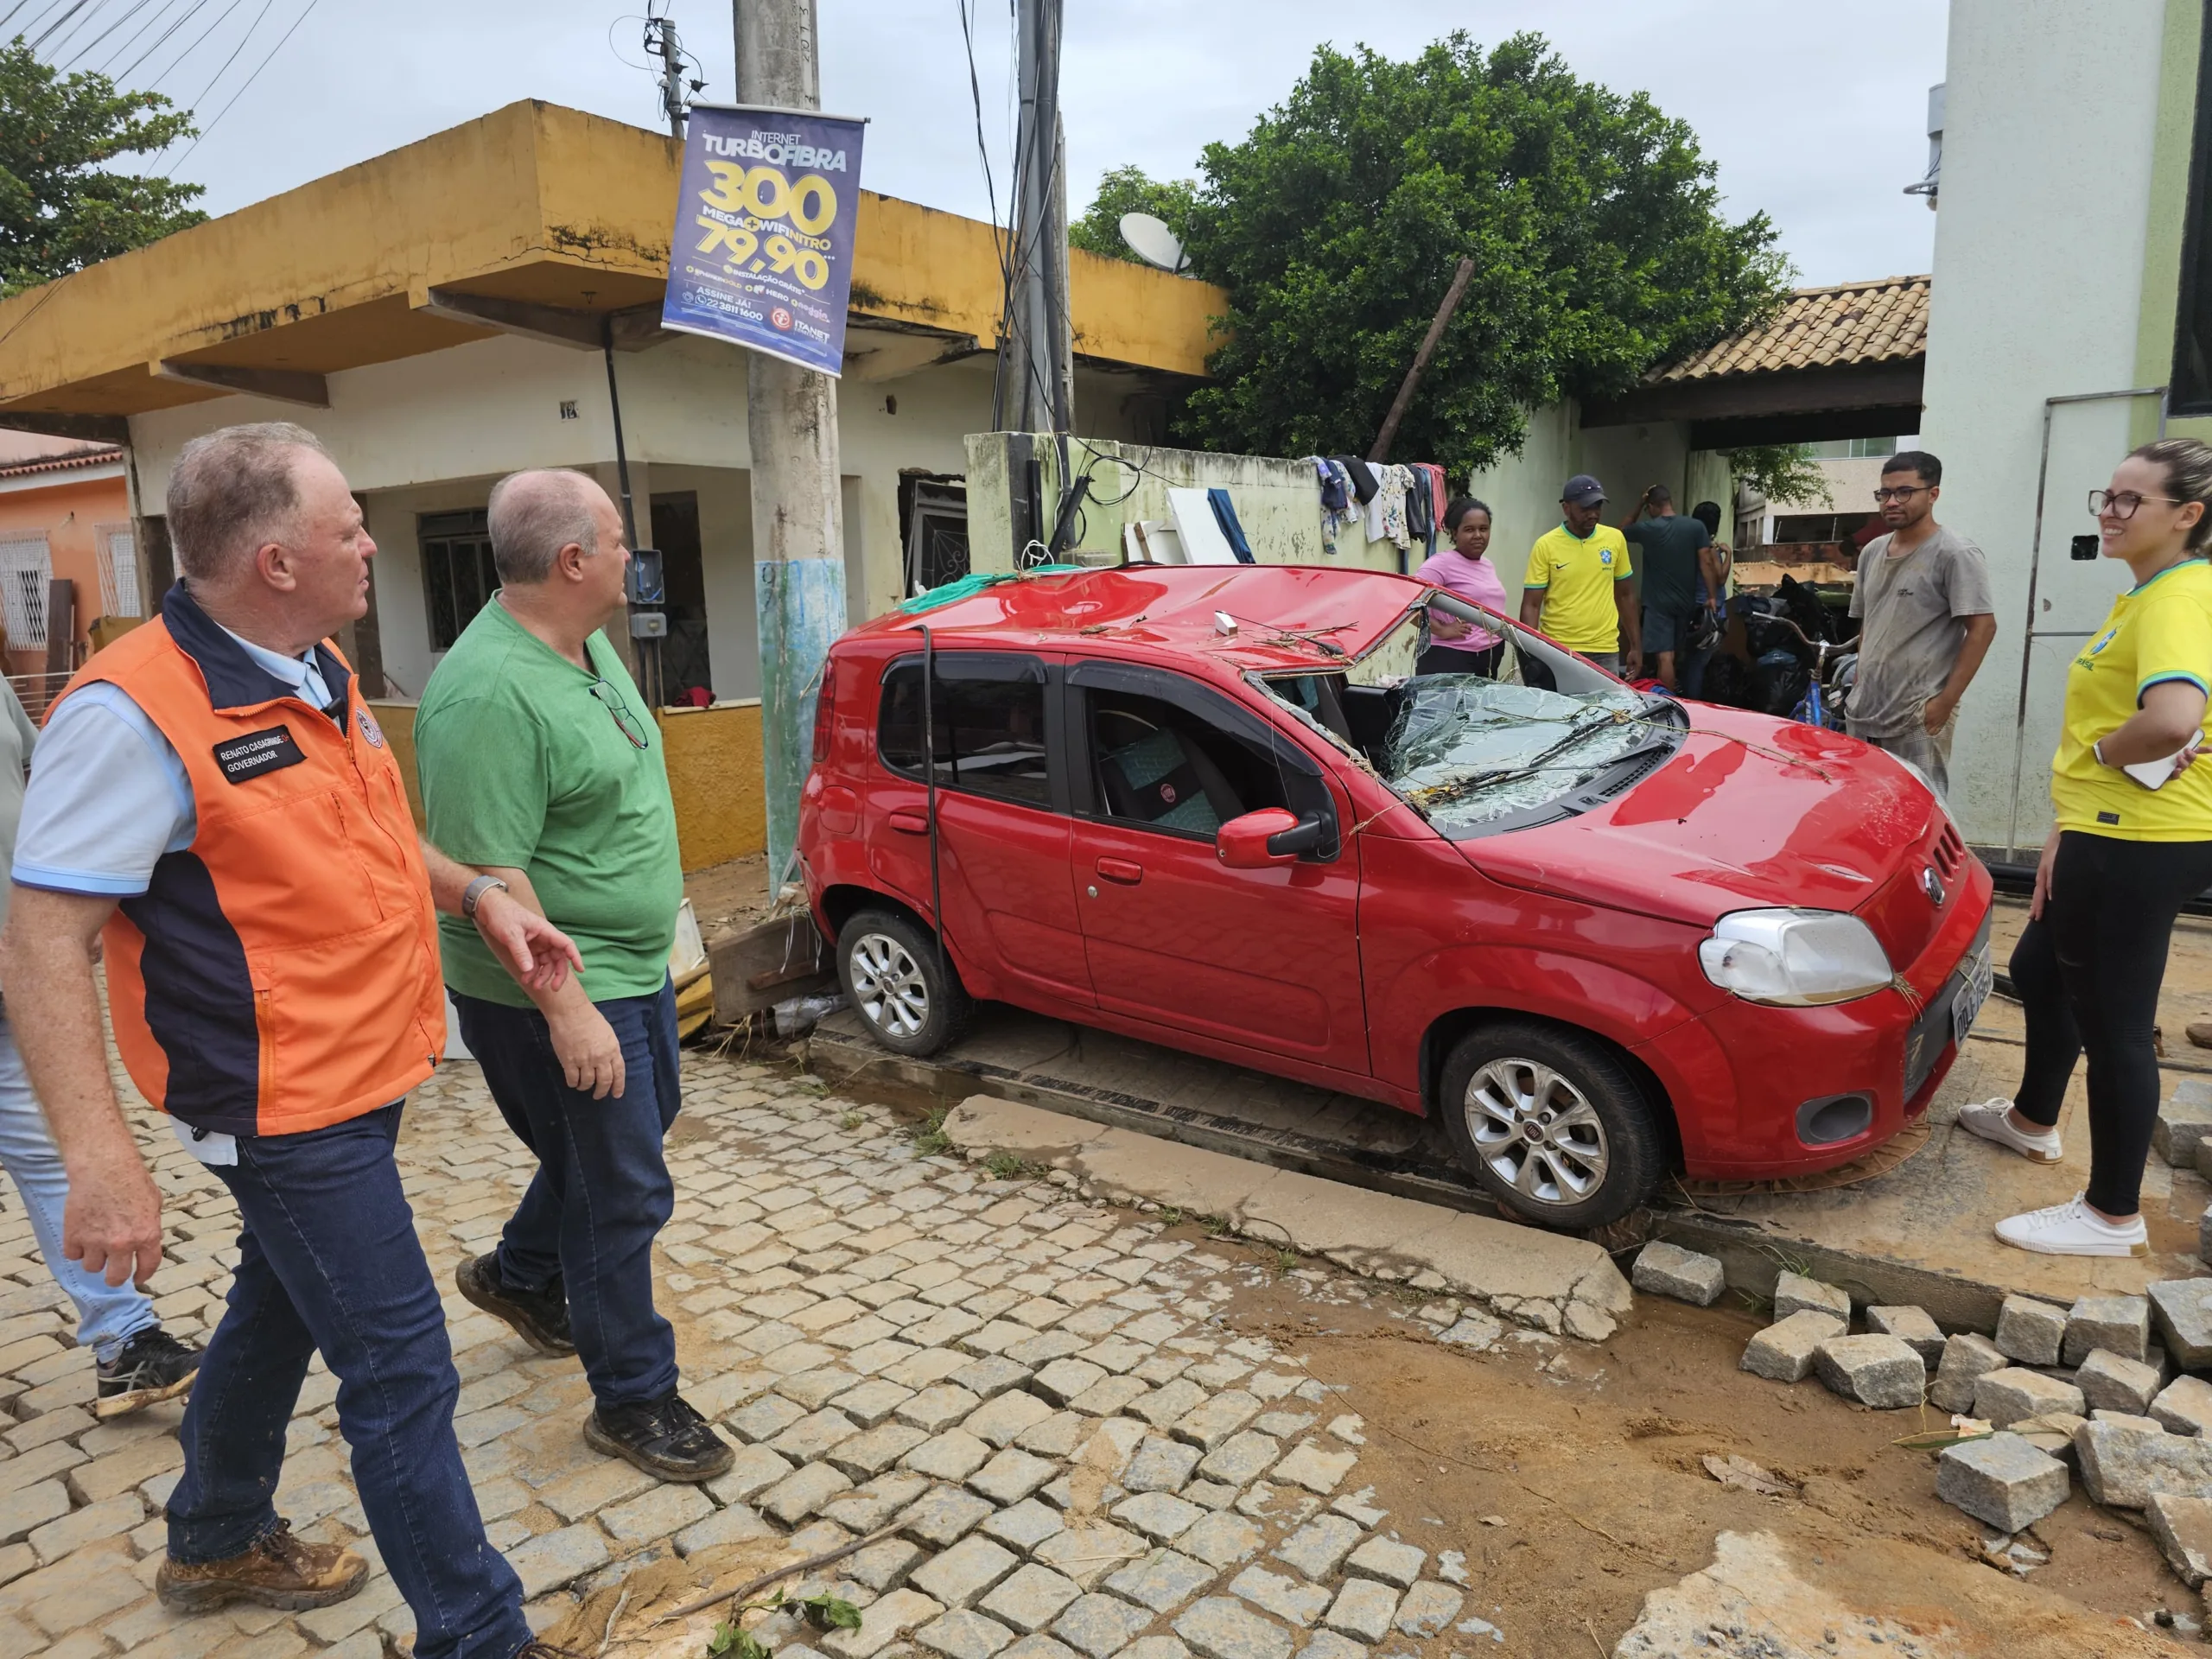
(2073, 1228)
(1991, 1120)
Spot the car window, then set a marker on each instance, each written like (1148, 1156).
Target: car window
(1164, 766)
(988, 725)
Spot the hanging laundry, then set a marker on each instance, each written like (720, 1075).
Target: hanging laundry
(1386, 511)
(1364, 482)
(1338, 507)
(1224, 514)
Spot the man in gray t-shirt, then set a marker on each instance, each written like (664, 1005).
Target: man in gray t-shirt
(1922, 596)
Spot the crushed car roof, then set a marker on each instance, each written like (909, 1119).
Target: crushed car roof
(1285, 616)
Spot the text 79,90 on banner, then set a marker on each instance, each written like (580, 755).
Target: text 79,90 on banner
(764, 223)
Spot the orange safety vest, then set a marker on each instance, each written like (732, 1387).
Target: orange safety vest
(281, 973)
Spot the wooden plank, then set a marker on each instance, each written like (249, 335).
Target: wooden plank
(787, 957)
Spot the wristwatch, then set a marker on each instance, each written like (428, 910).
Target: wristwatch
(473, 894)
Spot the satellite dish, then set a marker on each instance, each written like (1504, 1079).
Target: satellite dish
(1151, 240)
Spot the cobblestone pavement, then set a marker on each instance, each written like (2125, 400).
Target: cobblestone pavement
(1079, 1459)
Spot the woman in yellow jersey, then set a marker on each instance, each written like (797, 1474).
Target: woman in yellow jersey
(2132, 844)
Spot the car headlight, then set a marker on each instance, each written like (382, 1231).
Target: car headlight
(1798, 958)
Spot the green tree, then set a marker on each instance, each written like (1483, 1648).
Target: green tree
(1782, 472)
(1600, 248)
(60, 208)
(1127, 190)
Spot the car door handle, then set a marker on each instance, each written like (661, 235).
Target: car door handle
(1125, 871)
(910, 822)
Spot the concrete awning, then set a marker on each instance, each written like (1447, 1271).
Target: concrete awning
(1841, 362)
(534, 220)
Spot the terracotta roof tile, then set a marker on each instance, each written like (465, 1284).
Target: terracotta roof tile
(91, 457)
(1883, 321)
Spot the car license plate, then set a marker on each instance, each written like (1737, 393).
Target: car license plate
(1967, 1006)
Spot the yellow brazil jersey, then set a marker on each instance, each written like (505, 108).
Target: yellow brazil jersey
(1576, 575)
(2160, 631)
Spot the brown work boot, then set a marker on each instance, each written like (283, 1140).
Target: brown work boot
(279, 1572)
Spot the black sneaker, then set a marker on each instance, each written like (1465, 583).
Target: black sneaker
(663, 1437)
(153, 1366)
(540, 1317)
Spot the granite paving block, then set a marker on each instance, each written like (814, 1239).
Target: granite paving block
(1318, 1548)
(1160, 1465)
(1099, 1625)
(2003, 1398)
(765, 1418)
(967, 1572)
(2031, 1330)
(2118, 1325)
(884, 1566)
(1362, 1609)
(553, 1558)
(2183, 1526)
(2185, 1405)
(989, 1377)
(1005, 1416)
(811, 1436)
(1209, 1425)
(1172, 1401)
(961, 1634)
(1278, 1593)
(885, 1620)
(1222, 1540)
(1913, 1326)
(1795, 1294)
(2112, 1383)
(2184, 1121)
(1783, 1352)
(1241, 1459)
(792, 1499)
(1966, 1359)
(868, 1505)
(1062, 1380)
(2183, 1311)
(736, 1524)
(1882, 1371)
(952, 1456)
(1428, 1608)
(872, 1401)
(1161, 1516)
(942, 1516)
(1163, 1580)
(1088, 1550)
(2124, 1463)
(1316, 1468)
(869, 1454)
(2002, 1480)
(1665, 1269)
(1110, 1395)
(1011, 1475)
(937, 1406)
(1220, 1627)
(656, 1514)
(1024, 1525)
(1031, 1598)
(1387, 1558)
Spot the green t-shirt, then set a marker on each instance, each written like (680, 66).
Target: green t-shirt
(1669, 561)
(527, 760)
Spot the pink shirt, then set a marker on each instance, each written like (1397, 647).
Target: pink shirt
(1476, 581)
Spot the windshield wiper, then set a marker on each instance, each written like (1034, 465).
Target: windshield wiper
(1581, 730)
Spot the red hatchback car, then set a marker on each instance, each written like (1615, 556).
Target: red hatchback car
(1601, 932)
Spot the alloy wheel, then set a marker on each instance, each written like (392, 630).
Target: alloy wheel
(1536, 1131)
(888, 986)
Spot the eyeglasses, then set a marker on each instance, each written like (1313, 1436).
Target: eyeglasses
(2122, 503)
(627, 722)
(1900, 492)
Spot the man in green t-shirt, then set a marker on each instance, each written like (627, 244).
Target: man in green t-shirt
(1673, 552)
(542, 767)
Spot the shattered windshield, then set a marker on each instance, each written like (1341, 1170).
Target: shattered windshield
(1468, 750)
(1474, 752)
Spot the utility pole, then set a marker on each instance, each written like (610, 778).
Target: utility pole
(661, 41)
(1035, 395)
(798, 545)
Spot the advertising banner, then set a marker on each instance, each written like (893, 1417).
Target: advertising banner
(764, 221)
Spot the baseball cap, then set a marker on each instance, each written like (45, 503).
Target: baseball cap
(1583, 491)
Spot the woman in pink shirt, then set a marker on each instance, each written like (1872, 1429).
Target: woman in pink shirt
(1457, 646)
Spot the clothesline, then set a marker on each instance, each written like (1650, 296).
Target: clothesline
(1399, 503)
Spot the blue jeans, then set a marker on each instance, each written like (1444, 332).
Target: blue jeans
(328, 1260)
(602, 1191)
(107, 1315)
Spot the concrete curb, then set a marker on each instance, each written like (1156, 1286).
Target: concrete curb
(1546, 1280)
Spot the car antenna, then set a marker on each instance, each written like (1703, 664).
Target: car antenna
(929, 783)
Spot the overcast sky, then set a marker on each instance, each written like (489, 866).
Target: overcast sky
(1814, 113)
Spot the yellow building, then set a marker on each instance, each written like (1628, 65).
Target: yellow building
(436, 315)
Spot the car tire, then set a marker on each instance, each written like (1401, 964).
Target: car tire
(1551, 1123)
(908, 996)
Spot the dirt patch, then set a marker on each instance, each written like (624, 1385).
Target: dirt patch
(728, 896)
(1571, 1474)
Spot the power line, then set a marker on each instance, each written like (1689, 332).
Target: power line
(44, 13)
(228, 62)
(181, 19)
(132, 41)
(241, 92)
(178, 61)
(67, 12)
(69, 26)
(92, 45)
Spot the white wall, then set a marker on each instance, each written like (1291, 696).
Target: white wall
(2047, 160)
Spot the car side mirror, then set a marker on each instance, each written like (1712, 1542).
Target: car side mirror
(1270, 835)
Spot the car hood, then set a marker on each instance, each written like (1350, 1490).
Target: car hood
(1750, 811)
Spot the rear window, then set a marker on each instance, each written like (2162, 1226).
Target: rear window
(988, 725)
